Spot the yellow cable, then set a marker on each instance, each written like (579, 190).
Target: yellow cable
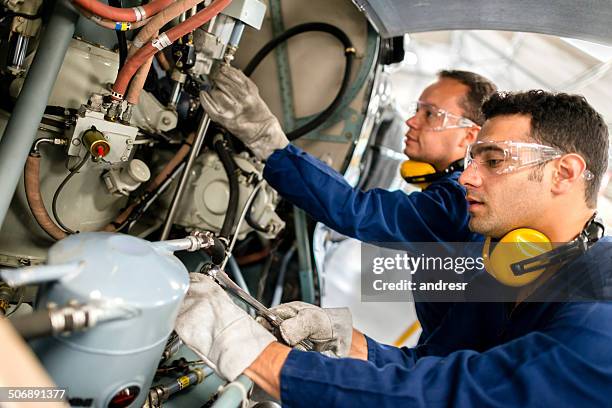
(407, 333)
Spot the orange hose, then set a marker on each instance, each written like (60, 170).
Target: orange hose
(35, 201)
(142, 55)
(123, 14)
(163, 61)
(111, 25)
(160, 20)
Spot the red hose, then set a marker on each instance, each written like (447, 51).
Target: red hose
(165, 39)
(123, 14)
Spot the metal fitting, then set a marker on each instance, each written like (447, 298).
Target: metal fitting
(72, 318)
(56, 141)
(127, 114)
(205, 239)
(114, 110)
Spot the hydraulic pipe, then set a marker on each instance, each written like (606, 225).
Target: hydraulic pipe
(232, 172)
(23, 124)
(123, 14)
(195, 150)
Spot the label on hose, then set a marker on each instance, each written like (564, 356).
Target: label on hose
(183, 382)
(140, 13)
(123, 26)
(161, 42)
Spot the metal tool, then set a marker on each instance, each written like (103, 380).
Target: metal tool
(229, 285)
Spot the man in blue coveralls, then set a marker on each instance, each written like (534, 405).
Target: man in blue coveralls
(538, 163)
(446, 120)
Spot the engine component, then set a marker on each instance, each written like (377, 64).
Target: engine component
(211, 45)
(102, 270)
(25, 25)
(152, 116)
(205, 203)
(127, 179)
(95, 142)
(92, 130)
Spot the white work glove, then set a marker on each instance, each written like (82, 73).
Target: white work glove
(217, 330)
(235, 104)
(329, 330)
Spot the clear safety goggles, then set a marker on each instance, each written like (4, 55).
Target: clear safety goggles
(438, 119)
(508, 156)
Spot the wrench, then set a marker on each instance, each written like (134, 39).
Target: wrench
(229, 285)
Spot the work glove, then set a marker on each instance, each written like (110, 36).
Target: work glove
(217, 330)
(235, 104)
(329, 330)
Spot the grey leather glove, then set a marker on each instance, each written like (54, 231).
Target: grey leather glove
(235, 104)
(217, 330)
(329, 330)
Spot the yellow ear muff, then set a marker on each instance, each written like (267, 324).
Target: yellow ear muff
(515, 246)
(414, 171)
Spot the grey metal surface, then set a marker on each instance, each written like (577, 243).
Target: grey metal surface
(23, 124)
(566, 18)
(195, 150)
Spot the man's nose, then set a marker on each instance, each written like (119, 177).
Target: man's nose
(413, 122)
(471, 176)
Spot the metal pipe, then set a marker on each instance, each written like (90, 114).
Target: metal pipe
(245, 209)
(237, 274)
(303, 250)
(21, 47)
(280, 281)
(235, 393)
(195, 150)
(40, 273)
(176, 94)
(23, 124)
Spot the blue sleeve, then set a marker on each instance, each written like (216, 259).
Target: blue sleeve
(437, 214)
(382, 354)
(568, 365)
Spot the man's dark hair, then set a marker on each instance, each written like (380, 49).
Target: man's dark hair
(564, 121)
(480, 89)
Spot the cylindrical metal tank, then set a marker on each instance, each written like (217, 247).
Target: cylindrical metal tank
(125, 272)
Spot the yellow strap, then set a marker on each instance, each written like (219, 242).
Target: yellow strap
(407, 333)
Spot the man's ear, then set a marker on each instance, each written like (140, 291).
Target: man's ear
(568, 172)
(470, 136)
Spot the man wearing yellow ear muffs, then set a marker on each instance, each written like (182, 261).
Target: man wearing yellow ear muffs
(445, 120)
(536, 167)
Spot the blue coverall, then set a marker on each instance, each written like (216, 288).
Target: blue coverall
(437, 214)
(471, 354)
(546, 354)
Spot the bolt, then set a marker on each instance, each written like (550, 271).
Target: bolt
(76, 142)
(124, 158)
(166, 120)
(129, 142)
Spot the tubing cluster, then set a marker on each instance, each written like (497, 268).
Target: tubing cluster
(150, 18)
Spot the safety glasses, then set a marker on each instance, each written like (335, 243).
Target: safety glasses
(438, 119)
(508, 156)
